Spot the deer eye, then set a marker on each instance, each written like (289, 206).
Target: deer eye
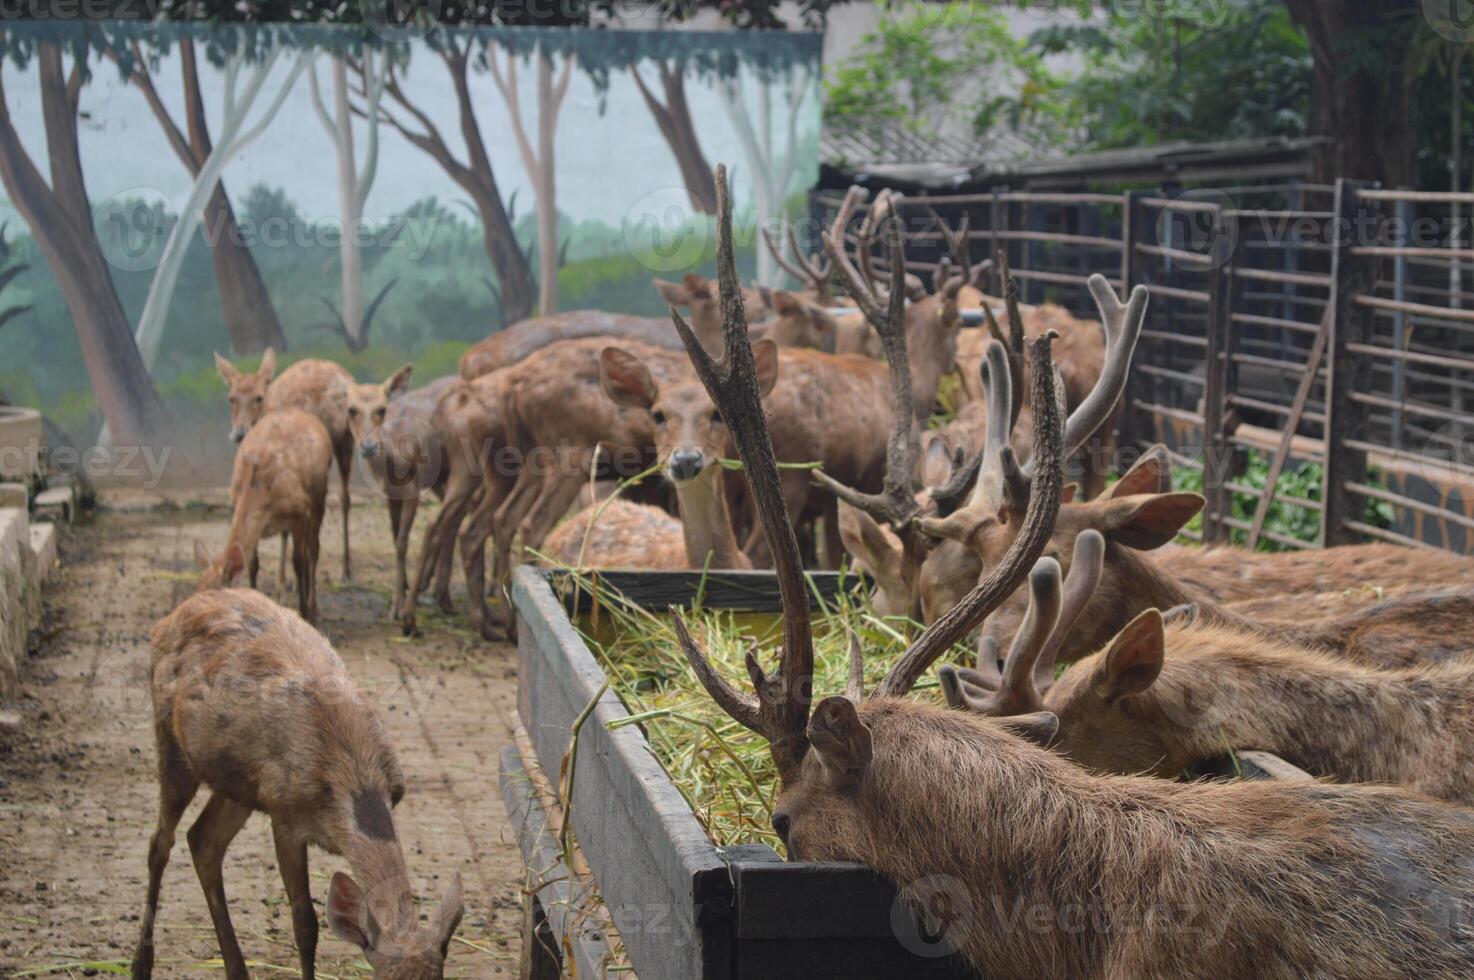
(658, 416)
(353, 413)
(259, 399)
(378, 415)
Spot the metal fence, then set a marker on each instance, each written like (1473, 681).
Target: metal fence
(1309, 349)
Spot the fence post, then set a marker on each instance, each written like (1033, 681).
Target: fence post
(996, 218)
(1217, 364)
(1355, 223)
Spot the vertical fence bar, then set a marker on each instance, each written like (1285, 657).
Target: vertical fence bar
(1134, 427)
(1404, 213)
(1346, 373)
(995, 225)
(1217, 360)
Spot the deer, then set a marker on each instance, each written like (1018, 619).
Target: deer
(690, 443)
(1280, 879)
(279, 485)
(406, 456)
(696, 292)
(1160, 699)
(315, 386)
(619, 534)
(526, 337)
(252, 702)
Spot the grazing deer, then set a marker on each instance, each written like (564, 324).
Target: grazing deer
(279, 486)
(526, 337)
(1159, 699)
(318, 387)
(690, 442)
(252, 702)
(405, 454)
(619, 534)
(1060, 872)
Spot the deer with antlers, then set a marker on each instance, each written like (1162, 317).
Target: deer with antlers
(1161, 698)
(1282, 879)
(251, 701)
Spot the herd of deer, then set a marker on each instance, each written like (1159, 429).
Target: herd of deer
(1033, 788)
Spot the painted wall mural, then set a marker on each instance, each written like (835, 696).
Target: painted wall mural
(173, 190)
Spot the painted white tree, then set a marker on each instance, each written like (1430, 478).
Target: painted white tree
(353, 184)
(234, 136)
(540, 161)
(771, 178)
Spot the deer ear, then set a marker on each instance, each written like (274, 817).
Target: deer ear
(452, 907)
(765, 353)
(1147, 520)
(936, 461)
(1069, 492)
(398, 381)
(698, 286)
(1151, 474)
(841, 742)
(866, 540)
(673, 294)
(1134, 658)
(348, 916)
(625, 379)
(1039, 727)
(228, 373)
(202, 557)
(268, 365)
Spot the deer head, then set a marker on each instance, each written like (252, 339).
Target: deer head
(247, 392)
(410, 951)
(367, 406)
(824, 762)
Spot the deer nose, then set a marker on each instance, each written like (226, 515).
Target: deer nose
(237, 434)
(686, 463)
(368, 450)
(781, 824)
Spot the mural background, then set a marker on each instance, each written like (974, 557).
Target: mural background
(172, 190)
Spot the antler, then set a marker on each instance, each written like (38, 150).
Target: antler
(780, 711)
(957, 244)
(1029, 671)
(1038, 524)
(815, 271)
(896, 503)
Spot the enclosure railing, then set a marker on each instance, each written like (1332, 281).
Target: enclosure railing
(1308, 347)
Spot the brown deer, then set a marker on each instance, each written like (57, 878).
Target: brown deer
(406, 456)
(1060, 872)
(698, 294)
(251, 701)
(619, 534)
(279, 486)
(1160, 699)
(526, 337)
(314, 386)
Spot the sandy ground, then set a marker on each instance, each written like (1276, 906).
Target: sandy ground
(78, 789)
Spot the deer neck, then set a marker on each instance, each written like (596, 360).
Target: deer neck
(706, 523)
(1330, 718)
(376, 859)
(1133, 585)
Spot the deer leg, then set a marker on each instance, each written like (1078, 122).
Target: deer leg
(291, 858)
(795, 495)
(211, 834)
(833, 546)
(176, 788)
(445, 562)
(253, 568)
(557, 497)
(440, 535)
(345, 471)
(281, 571)
(509, 516)
(473, 560)
(299, 568)
(396, 523)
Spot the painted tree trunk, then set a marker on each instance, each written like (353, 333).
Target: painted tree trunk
(547, 188)
(673, 117)
(350, 257)
(60, 219)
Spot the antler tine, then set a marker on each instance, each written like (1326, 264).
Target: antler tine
(1086, 564)
(857, 285)
(880, 210)
(896, 503)
(957, 241)
(1017, 689)
(854, 688)
(1038, 524)
(959, 483)
(783, 700)
(819, 268)
(1015, 329)
(1122, 325)
(739, 704)
(794, 269)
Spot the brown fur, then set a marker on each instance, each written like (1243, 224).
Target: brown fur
(623, 535)
(251, 701)
(1157, 701)
(279, 486)
(1055, 872)
(318, 387)
(698, 294)
(526, 337)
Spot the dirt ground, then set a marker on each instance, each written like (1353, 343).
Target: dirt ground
(78, 789)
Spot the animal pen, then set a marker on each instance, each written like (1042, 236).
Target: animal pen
(1308, 325)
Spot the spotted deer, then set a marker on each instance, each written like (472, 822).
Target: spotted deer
(1062, 872)
(1160, 699)
(317, 387)
(619, 534)
(253, 703)
(279, 485)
